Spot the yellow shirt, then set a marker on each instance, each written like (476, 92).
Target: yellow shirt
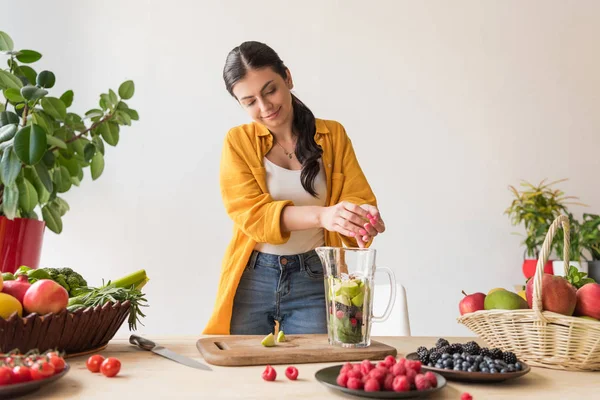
(256, 215)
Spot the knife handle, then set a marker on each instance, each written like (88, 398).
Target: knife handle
(145, 344)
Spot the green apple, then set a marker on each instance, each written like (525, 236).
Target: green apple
(342, 299)
(358, 299)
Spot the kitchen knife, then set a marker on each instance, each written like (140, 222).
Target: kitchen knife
(149, 345)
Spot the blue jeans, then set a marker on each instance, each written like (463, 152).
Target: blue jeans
(287, 289)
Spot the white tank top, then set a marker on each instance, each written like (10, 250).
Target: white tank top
(285, 184)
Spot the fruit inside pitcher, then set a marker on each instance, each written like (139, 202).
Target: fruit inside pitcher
(347, 309)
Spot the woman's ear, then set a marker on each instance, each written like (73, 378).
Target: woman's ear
(288, 80)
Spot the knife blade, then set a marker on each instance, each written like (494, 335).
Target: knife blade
(149, 345)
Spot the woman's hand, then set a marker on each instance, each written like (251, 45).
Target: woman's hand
(375, 225)
(345, 218)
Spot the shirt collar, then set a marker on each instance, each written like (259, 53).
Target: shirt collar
(320, 125)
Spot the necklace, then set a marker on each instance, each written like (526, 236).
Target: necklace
(287, 153)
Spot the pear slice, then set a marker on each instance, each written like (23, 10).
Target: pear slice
(358, 299)
(269, 340)
(280, 337)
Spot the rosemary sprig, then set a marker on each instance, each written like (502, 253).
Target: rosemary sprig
(92, 297)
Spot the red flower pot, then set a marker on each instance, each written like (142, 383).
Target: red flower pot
(20, 243)
(529, 268)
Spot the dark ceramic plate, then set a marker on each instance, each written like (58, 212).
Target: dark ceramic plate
(20, 389)
(327, 376)
(462, 376)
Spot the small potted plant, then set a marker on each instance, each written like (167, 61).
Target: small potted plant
(536, 207)
(44, 150)
(589, 236)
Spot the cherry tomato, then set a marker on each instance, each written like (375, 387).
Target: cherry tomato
(51, 354)
(6, 376)
(93, 363)
(9, 361)
(58, 363)
(21, 374)
(110, 367)
(41, 370)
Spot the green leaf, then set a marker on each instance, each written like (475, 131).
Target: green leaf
(6, 43)
(123, 118)
(13, 95)
(55, 108)
(8, 117)
(126, 90)
(42, 119)
(113, 97)
(61, 205)
(75, 122)
(2, 107)
(72, 166)
(97, 165)
(94, 113)
(46, 79)
(8, 80)
(89, 151)
(33, 177)
(49, 159)
(10, 201)
(44, 176)
(109, 132)
(32, 93)
(133, 114)
(10, 166)
(28, 197)
(7, 132)
(28, 56)
(67, 98)
(30, 144)
(26, 72)
(52, 219)
(53, 141)
(62, 179)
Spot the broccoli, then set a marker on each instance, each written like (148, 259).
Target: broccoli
(67, 278)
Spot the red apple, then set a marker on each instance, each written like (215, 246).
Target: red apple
(558, 295)
(17, 288)
(471, 303)
(588, 301)
(45, 296)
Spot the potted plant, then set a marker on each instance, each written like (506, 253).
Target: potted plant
(44, 150)
(589, 236)
(536, 207)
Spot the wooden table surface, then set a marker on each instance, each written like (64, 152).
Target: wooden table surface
(145, 375)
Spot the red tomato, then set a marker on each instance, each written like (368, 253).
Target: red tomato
(6, 376)
(41, 370)
(58, 363)
(110, 367)
(21, 374)
(93, 363)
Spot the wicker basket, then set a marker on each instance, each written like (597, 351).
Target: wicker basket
(72, 332)
(541, 338)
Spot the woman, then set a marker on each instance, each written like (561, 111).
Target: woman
(291, 183)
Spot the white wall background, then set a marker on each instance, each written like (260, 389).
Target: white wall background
(447, 104)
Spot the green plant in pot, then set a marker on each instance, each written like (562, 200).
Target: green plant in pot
(589, 237)
(45, 149)
(536, 207)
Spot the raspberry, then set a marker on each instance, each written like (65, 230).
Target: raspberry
(432, 378)
(422, 383)
(347, 367)
(366, 367)
(354, 384)
(339, 314)
(399, 369)
(401, 361)
(410, 375)
(354, 374)
(382, 365)
(390, 361)
(372, 385)
(401, 384)
(388, 382)
(466, 396)
(378, 374)
(414, 364)
(269, 374)
(342, 379)
(291, 373)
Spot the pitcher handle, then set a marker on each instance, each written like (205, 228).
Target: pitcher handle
(390, 305)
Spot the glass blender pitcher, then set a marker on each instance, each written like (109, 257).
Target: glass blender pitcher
(349, 283)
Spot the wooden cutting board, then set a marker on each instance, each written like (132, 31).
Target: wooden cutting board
(297, 349)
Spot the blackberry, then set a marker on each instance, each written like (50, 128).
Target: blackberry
(423, 354)
(434, 356)
(485, 352)
(496, 354)
(510, 358)
(441, 343)
(444, 349)
(472, 348)
(455, 348)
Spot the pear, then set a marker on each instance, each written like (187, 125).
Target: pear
(269, 340)
(504, 300)
(280, 337)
